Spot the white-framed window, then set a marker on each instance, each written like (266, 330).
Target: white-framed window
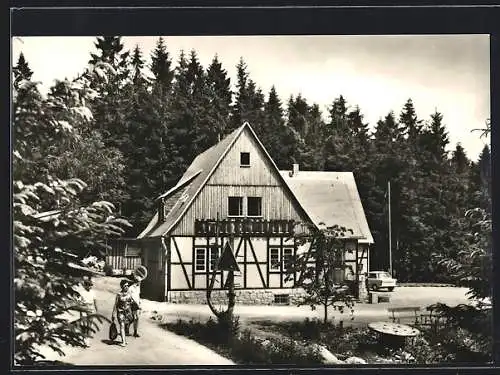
(244, 159)
(280, 258)
(200, 259)
(235, 206)
(274, 258)
(287, 256)
(254, 206)
(214, 256)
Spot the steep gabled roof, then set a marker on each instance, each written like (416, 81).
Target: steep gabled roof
(324, 198)
(331, 198)
(195, 178)
(189, 184)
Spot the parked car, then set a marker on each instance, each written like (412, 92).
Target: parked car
(380, 280)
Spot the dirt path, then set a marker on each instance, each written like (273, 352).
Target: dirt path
(156, 346)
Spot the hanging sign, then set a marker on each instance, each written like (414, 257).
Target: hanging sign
(227, 261)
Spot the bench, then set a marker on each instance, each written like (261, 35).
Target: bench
(404, 313)
(377, 297)
(433, 320)
(413, 315)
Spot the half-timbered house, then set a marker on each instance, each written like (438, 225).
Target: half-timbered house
(233, 192)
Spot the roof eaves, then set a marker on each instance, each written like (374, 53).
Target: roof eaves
(150, 227)
(179, 186)
(357, 201)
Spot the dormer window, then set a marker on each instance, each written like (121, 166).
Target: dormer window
(244, 159)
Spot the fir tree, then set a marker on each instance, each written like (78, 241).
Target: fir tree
(435, 138)
(110, 78)
(203, 132)
(338, 115)
(242, 100)
(387, 132)
(220, 98)
(182, 127)
(337, 143)
(110, 51)
(275, 137)
(298, 116)
(254, 113)
(480, 181)
(411, 124)
(110, 107)
(485, 170)
(357, 127)
(161, 66)
(21, 71)
(137, 64)
(459, 161)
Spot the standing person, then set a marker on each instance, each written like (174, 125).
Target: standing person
(122, 310)
(87, 297)
(135, 292)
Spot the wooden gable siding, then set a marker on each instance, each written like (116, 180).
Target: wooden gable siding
(259, 173)
(229, 179)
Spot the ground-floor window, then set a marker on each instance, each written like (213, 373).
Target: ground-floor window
(274, 258)
(280, 258)
(287, 257)
(200, 260)
(206, 258)
(214, 256)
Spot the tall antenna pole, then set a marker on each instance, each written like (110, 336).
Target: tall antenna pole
(390, 227)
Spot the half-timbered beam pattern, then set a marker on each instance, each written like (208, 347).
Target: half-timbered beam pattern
(184, 270)
(256, 258)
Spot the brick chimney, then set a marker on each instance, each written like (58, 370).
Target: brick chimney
(295, 169)
(161, 210)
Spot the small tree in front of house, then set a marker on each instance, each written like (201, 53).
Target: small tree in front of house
(320, 271)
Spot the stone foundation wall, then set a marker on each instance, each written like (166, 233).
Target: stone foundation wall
(249, 296)
(243, 296)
